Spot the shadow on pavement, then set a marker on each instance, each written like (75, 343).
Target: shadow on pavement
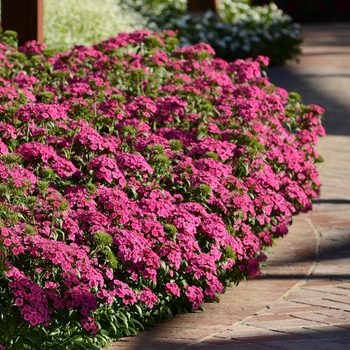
(331, 201)
(312, 337)
(322, 75)
(329, 338)
(331, 249)
(312, 89)
(337, 277)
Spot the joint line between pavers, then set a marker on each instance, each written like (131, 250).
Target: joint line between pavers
(306, 319)
(318, 247)
(336, 301)
(320, 306)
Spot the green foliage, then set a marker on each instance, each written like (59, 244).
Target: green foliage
(8, 37)
(175, 145)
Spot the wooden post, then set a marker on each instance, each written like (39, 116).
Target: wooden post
(200, 6)
(26, 17)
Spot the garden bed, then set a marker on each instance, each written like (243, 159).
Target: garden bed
(139, 179)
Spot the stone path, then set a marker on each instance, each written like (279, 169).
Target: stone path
(302, 301)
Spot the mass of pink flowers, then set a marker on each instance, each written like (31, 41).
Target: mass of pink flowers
(138, 173)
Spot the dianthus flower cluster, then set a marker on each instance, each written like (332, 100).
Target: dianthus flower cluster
(130, 181)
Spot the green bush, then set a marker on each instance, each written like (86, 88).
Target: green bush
(84, 22)
(241, 31)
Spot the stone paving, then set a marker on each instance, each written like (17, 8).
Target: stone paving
(302, 301)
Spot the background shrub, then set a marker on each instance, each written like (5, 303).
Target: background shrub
(241, 31)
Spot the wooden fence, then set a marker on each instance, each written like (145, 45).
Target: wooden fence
(199, 6)
(26, 17)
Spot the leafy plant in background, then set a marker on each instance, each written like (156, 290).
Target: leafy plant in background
(241, 30)
(84, 22)
(138, 179)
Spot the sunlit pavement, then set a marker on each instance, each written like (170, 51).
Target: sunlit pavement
(303, 299)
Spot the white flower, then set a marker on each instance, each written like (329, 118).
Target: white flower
(202, 36)
(255, 39)
(181, 22)
(220, 43)
(219, 25)
(268, 36)
(226, 38)
(199, 26)
(243, 33)
(234, 45)
(246, 48)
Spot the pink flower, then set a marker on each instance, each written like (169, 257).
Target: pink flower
(92, 140)
(133, 163)
(141, 107)
(148, 297)
(106, 169)
(172, 288)
(40, 112)
(3, 148)
(194, 295)
(7, 242)
(19, 301)
(17, 250)
(30, 298)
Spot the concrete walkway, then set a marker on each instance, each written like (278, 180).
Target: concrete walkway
(303, 299)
